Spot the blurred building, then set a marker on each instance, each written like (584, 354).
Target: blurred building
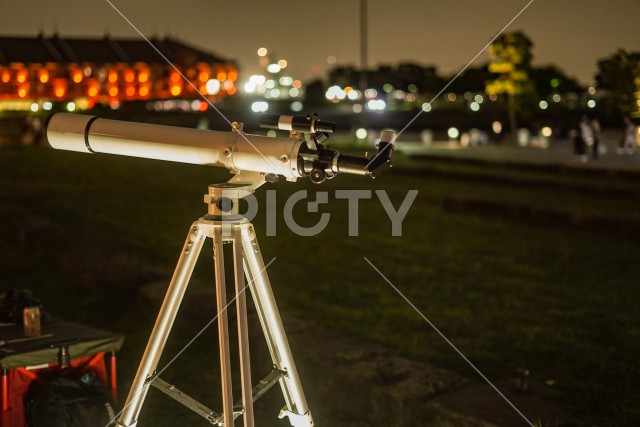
(44, 70)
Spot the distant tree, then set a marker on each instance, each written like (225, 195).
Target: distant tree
(550, 79)
(620, 75)
(432, 82)
(511, 56)
(472, 80)
(410, 74)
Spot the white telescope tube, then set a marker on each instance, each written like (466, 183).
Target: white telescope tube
(232, 150)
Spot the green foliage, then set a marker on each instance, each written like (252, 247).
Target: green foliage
(471, 80)
(511, 63)
(620, 75)
(511, 55)
(551, 79)
(513, 48)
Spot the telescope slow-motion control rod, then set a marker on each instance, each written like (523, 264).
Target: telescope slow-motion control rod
(294, 157)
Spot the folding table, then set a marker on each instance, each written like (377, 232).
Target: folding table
(61, 348)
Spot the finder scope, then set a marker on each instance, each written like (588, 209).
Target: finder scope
(304, 124)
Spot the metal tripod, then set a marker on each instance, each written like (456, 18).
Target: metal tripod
(224, 224)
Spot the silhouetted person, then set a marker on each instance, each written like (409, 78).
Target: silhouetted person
(629, 137)
(586, 132)
(578, 143)
(597, 137)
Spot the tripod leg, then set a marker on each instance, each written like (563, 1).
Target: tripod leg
(164, 322)
(223, 328)
(296, 404)
(243, 330)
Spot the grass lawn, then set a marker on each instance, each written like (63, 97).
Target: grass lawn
(86, 232)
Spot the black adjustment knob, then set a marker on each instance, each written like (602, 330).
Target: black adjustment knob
(225, 204)
(317, 176)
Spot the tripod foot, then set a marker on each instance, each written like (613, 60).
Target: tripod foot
(297, 420)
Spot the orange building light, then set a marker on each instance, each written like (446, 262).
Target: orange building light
(222, 76)
(175, 90)
(129, 76)
(59, 87)
(6, 76)
(113, 91)
(232, 75)
(231, 90)
(130, 91)
(21, 76)
(144, 91)
(113, 76)
(23, 90)
(204, 76)
(143, 76)
(175, 77)
(44, 76)
(93, 87)
(76, 76)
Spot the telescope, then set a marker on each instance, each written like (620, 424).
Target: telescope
(300, 155)
(253, 160)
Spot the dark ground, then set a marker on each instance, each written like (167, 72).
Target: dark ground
(349, 380)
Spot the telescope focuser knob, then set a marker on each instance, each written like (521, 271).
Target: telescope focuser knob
(317, 176)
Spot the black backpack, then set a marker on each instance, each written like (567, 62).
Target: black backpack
(63, 401)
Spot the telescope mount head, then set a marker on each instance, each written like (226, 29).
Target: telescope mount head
(321, 163)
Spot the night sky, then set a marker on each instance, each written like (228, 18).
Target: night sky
(572, 34)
